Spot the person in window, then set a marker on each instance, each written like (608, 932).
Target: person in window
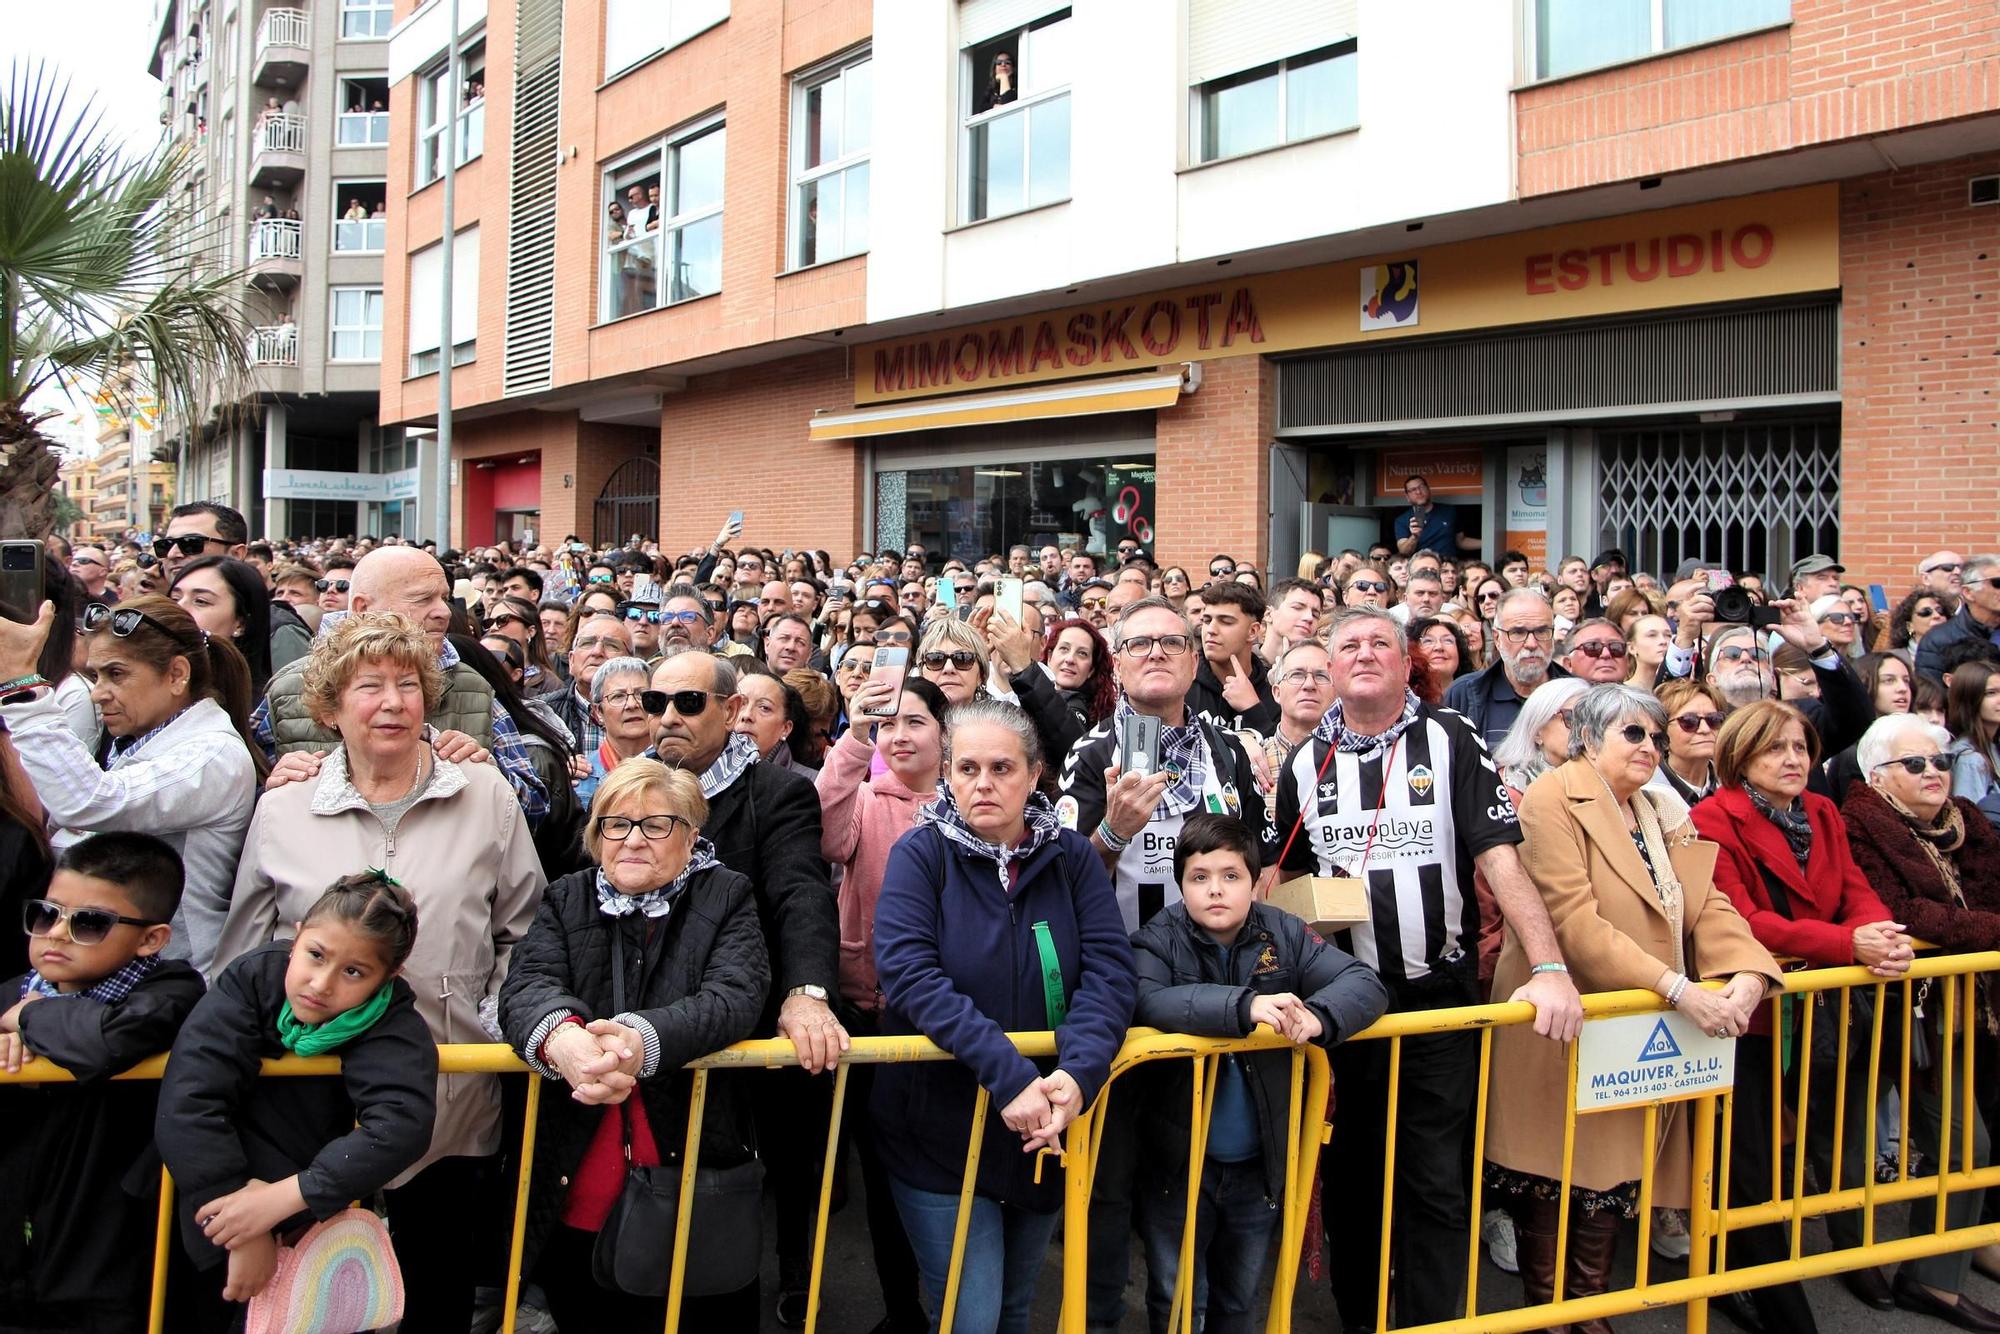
(1000, 86)
(637, 210)
(381, 210)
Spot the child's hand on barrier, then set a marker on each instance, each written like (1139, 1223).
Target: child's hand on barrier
(14, 1053)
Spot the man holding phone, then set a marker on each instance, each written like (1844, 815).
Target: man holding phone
(1429, 526)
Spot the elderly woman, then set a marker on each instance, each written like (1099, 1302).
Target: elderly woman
(953, 658)
(1035, 941)
(633, 968)
(1694, 718)
(618, 693)
(1630, 889)
(1935, 860)
(773, 715)
(454, 835)
(1443, 645)
(1783, 861)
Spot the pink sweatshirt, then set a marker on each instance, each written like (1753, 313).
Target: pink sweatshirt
(861, 818)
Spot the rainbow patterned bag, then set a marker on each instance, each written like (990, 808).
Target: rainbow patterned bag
(341, 1278)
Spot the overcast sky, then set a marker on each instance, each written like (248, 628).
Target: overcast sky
(103, 45)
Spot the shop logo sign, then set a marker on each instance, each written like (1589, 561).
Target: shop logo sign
(1389, 295)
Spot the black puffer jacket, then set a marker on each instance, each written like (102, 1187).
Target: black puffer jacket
(699, 976)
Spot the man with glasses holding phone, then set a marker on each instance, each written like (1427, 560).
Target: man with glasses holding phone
(1978, 616)
(1524, 628)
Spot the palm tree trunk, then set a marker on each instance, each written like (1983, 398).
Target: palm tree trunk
(28, 469)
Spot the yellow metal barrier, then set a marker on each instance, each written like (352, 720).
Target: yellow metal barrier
(1953, 979)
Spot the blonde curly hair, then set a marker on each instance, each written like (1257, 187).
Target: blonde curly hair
(367, 637)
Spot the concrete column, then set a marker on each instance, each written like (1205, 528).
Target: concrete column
(274, 457)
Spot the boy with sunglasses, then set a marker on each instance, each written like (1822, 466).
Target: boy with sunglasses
(75, 1245)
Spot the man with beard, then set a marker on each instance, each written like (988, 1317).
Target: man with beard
(1524, 627)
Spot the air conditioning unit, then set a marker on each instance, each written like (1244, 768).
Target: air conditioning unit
(1982, 191)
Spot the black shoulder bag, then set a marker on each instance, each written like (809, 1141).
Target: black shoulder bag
(635, 1248)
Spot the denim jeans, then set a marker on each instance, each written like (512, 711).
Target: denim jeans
(1004, 1250)
(1232, 1245)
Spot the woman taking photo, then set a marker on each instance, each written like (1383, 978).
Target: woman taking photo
(1936, 863)
(633, 967)
(455, 837)
(1629, 887)
(1693, 720)
(1034, 940)
(1785, 865)
(1972, 712)
(227, 598)
(619, 694)
(182, 764)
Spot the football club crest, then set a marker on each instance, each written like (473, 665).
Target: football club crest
(1420, 781)
(1066, 812)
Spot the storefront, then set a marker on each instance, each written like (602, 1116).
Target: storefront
(502, 498)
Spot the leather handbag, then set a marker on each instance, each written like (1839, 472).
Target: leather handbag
(634, 1252)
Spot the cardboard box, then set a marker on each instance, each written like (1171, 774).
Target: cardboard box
(1327, 903)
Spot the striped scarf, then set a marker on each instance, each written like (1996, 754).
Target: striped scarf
(1333, 729)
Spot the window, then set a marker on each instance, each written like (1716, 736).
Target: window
(427, 303)
(663, 217)
(357, 324)
(831, 115)
(1575, 35)
(360, 216)
(1298, 98)
(637, 29)
(972, 509)
(364, 113)
(1016, 107)
(366, 18)
(434, 94)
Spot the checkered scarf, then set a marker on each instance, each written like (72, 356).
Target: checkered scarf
(738, 755)
(613, 902)
(1331, 728)
(1040, 814)
(109, 991)
(1183, 753)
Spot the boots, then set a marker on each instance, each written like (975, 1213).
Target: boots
(1593, 1243)
(1535, 1248)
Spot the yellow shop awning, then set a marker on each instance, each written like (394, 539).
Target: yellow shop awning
(1118, 393)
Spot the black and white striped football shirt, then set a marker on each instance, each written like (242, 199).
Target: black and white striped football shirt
(1441, 804)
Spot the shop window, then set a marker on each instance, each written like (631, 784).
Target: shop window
(434, 96)
(363, 121)
(663, 224)
(360, 217)
(635, 30)
(1299, 98)
(1575, 35)
(982, 509)
(356, 333)
(360, 19)
(832, 113)
(1016, 127)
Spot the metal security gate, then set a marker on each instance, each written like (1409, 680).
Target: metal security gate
(1752, 496)
(629, 503)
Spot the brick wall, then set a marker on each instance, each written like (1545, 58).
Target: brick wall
(1920, 355)
(1842, 69)
(1215, 465)
(577, 458)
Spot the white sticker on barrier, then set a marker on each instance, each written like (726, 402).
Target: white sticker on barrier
(1640, 1058)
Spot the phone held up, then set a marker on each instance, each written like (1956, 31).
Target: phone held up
(23, 568)
(1139, 745)
(891, 664)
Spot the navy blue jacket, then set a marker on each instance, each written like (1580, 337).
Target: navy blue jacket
(957, 960)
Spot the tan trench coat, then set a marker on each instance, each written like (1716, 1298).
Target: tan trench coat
(1614, 936)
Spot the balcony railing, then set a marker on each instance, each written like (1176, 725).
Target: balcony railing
(364, 234)
(358, 129)
(276, 238)
(281, 133)
(284, 27)
(274, 345)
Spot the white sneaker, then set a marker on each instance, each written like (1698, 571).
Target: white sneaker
(1670, 1234)
(1496, 1229)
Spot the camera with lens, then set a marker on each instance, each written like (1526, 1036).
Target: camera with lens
(1733, 606)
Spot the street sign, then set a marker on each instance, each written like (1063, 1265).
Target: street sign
(1640, 1058)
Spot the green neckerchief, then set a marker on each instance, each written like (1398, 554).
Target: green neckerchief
(315, 1039)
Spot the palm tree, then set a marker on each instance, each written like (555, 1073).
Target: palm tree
(103, 278)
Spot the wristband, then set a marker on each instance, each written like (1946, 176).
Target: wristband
(1110, 839)
(28, 682)
(1540, 968)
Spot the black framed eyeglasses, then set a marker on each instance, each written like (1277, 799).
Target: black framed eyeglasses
(618, 828)
(87, 926)
(687, 703)
(1694, 722)
(1142, 646)
(334, 585)
(1914, 764)
(1521, 634)
(1635, 734)
(963, 659)
(188, 544)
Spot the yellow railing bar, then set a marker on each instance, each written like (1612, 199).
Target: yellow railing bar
(1799, 1133)
(519, 1238)
(1944, 1104)
(1869, 1132)
(1388, 1180)
(963, 1223)
(1201, 1106)
(1835, 1201)
(826, 1194)
(1562, 1183)
(163, 1236)
(690, 1164)
(1650, 1137)
(1968, 1029)
(1701, 1219)
(1840, 1089)
(1478, 1174)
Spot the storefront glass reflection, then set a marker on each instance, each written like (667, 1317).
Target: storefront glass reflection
(983, 509)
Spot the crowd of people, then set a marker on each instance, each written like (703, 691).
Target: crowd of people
(623, 808)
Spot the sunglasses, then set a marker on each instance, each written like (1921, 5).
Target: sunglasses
(505, 618)
(1946, 566)
(1634, 733)
(888, 637)
(1219, 570)
(336, 585)
(1370, 585)
(618, 828)
(1095, 604)
(189, 544)
(1601, 648)
(963, 659)
(603, 578)
(1734, 654)
(1928, 613)
(97, 616)
(87, 926)
(85, 560)
(687, 703)
(1489, 597)
(1914, 764)
(640, 616)
(1990, 583)
(1839, 617)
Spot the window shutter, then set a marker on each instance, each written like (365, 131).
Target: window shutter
(531, 198)
(1227, 36)
(465, 286)
(980, 19)
(426, 298)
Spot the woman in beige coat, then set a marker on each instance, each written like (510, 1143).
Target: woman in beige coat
(454, 836)
(1631, 892)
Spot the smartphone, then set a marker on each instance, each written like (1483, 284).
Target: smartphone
(1878, 598)
(1139, 745)
(1721, 579)
(947, 594)
(23, 567)
(891, 663)
(736, 521)
(1007, 596)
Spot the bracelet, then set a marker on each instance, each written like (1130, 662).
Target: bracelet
(543, 1053)
(1548, 968)
(1676, 989)
(1110, 839)
(28, 682)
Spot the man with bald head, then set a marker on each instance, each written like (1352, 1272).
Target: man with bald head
(469, 720)
(1942, 573)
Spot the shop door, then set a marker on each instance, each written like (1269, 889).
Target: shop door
(519, 527)
(629, 503)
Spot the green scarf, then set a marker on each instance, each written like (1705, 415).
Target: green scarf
(316, 1039)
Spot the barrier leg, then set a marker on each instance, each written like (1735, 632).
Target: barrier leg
(826, 1194)
(1388, 1183)
(677, 1272)
(964, 1224)
(1701, 1217)
(163, 1237)
(1478, 1177)
(511, 1295)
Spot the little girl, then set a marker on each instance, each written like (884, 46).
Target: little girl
(257, 1158)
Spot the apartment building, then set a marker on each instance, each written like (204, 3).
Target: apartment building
(286, 108)
(1680, 277)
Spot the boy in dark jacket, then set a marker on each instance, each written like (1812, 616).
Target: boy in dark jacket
(1217, 964)
(76, 1198)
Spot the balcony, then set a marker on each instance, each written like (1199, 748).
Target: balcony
(277, 253)
(361, 129)
(278, 152)
(274, 345)
(284, 48)
(363, 236)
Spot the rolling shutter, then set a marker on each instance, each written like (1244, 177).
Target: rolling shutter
(1229, 36)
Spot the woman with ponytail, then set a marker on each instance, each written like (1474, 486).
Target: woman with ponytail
(180, 764)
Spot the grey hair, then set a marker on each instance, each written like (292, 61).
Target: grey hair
(1346, 616)
(1519, 755)
(1516, 594)
(1976, 564)
(1000, 713)
(1600, 709)
(1873, 749)
(1152, 603)
(1278, 667)
(616, 667)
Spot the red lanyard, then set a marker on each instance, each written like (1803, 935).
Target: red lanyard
(1388, 767)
